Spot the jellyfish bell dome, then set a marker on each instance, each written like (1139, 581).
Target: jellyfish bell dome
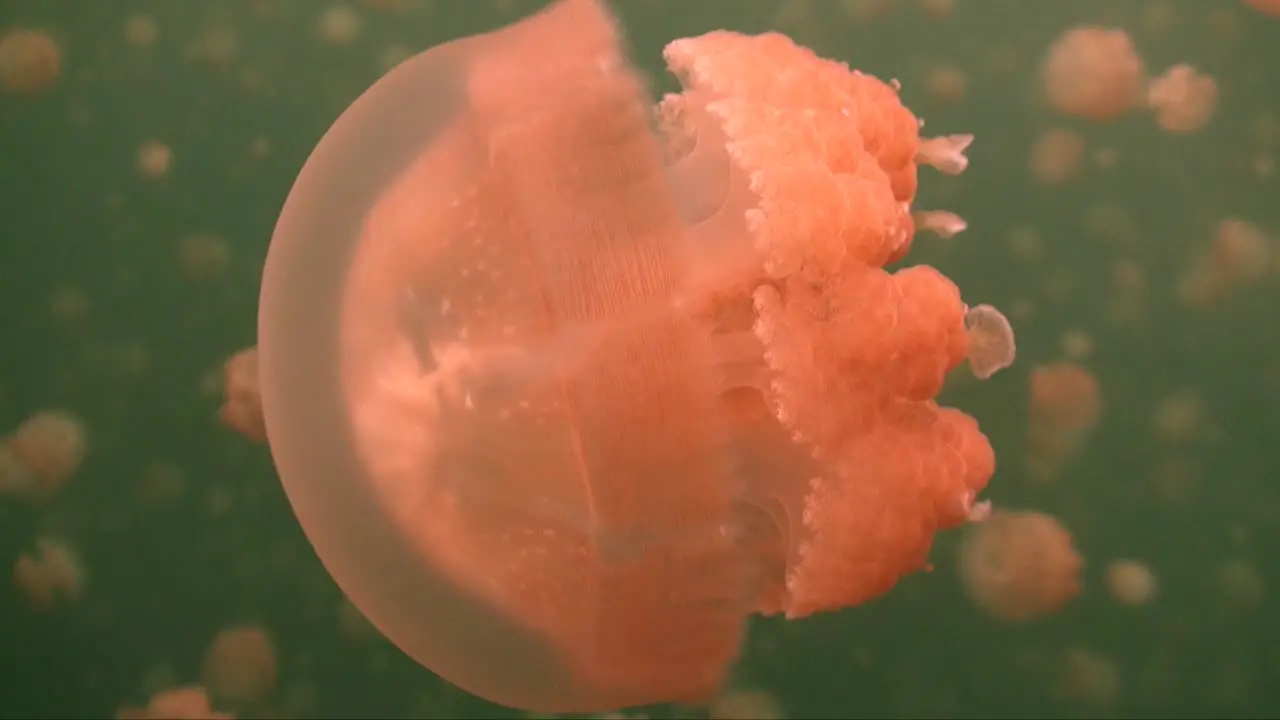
(563, 386)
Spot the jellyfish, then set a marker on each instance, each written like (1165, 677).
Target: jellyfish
(239, 668)
(42, 454)
(1183, 99)
(30, 61)
(1131, 582)
(241, 409)
(564, 386)
(189, 702)
(1092, 73)
(1019, 565)
(1065, 407)
(52, 574)
(991, 341)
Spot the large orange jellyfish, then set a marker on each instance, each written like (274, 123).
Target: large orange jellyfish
(563, 388)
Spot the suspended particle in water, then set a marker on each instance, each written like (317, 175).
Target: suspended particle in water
(141, 30)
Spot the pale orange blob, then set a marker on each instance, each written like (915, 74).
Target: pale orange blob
(38, 459)
(746, 705)
(1268, 7)
(938, 9)
(154, 159)
(241, 409)
(1241, 583)
(30, 61)
(947, 85)
(339, 25)
(1056, 157)
(1076, 345)
(204, 257)
(1089, 679)
(1178, 417)
(1239, 255)
(239, 668)
(51, 575)
(141, 30)
(561, 401)
(190, 702)
(1065, 406)
(991, 342)
(1092, 73)
(1019, 565)
(1131, 582)
(1183, 99)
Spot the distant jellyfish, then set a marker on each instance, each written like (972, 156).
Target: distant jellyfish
(1131, 582)
(1089, 679)
(1056, 156)
(154, 159)
(204, 257)
(1178, 417)
(1183, 99)
(946, 85)
(38, 459)
(242, 408)
(1241, 583)
(339, 25)
(1065, 406)
(991, 342)
(51, 575)
(1019, 565)
(141, 30)
(746, 705)
(189, 702)
(1092, 73)
(1076, 344)
(1239, 255)
(30, 61)
(240, 666)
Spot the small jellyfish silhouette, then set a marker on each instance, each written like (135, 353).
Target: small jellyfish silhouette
(1065, 406)
(991, 343)
(1183, 99)
(38, 459)
(50, 575)
(563, 387)
(239, 668)
(241, 409)
(189, 702)
(1019, 565)
(30, 61)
